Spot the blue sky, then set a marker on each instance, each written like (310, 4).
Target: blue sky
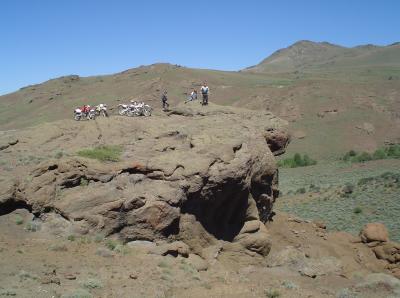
(45, 39)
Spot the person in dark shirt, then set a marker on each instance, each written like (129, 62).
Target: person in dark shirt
(164, 100)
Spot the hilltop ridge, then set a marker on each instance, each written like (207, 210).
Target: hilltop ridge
(309, 55)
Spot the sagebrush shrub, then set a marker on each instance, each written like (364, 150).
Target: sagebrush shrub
(297, 161)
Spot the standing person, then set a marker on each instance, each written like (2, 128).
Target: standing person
(204, 91)
(164, 100)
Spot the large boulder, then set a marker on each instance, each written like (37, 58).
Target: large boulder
(198, 174)
(374, 232)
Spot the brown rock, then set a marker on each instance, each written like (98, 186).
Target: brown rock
(174, 249)
(396, 272)
(250, 226)
(211, 253)
(277, 140)
(133, 276)
(70, 276)
(320, 224)
(50, 280)
(389, 251)
(299, 134)
(374, 232)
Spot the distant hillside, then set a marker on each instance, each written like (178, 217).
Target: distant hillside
(308, 55)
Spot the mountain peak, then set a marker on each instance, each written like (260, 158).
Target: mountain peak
(309, 43)
(303, 42)
(306, 54)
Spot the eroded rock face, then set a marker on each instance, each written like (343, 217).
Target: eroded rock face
(197, 175)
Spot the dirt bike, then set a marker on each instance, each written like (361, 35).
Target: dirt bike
(134, 109)
(101, 110)
(80, 115)
(124, 109)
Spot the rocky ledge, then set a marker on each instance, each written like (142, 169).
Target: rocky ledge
(196, 174)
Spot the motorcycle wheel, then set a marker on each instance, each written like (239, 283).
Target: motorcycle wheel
(77, 117)
(122, 111)
(147, 112)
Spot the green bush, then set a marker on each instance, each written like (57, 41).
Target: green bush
(348, 188)
(163, 264)
(32, 226)
(19, 220)
(84, 240)
(71, 237)
(84, 182)
(363, 157)
(314, 188)
(92, 283)
(102, 153)
(357, 210)
(297, 161)
(98, 238)
(349, 155)
(392, 151)
(287, 284)
(379, 154)
(301, 191)
(111, 244)
(272, 294)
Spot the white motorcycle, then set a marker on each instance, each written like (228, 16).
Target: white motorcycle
(134, 109)
(80, 115)
(101, 110)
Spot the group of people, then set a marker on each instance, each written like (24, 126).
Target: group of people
(193, 96)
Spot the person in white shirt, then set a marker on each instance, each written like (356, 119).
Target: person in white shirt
(193, 95)
(204, 92)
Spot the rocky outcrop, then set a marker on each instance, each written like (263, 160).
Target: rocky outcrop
(376, 236)
(198, 175)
